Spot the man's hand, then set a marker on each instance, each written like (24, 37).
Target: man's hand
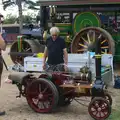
(44, 58)
(65, 68)
(65, 56)
(44, 66)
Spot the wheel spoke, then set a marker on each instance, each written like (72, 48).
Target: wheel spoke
(40, 89)
(88, 37)
(94, 106)
(91, 36)
(105, 47)
(45, 89)
(35, 101)
(99, 114)
(82, 50)
(100, 36)
(38, 102)
(102, 52)
(28, 49)
(83, 45)
(40, 105)
(95, 113)
(94, 36)
(44, 105)
(84, 40)
(103, 41)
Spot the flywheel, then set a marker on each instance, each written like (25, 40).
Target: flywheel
(87, 36)
(85, 19)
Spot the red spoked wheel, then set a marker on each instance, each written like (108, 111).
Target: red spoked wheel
(42, 95)
(107, 97)
(99, 108)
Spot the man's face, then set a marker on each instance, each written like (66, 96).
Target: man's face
(54, 36)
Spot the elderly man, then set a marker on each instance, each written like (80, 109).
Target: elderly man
(2, 47)
(55, 50)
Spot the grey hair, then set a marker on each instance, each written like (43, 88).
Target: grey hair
(54, 30)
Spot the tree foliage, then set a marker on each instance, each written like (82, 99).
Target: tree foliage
(8, 3)
(10, 19)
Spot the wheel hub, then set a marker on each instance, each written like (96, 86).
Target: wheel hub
(99, 109)
(40, 96)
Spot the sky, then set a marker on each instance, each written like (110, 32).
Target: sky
(14, 11)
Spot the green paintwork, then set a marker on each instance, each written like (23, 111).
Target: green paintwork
(64, 28)
(116, 38)
(85, 19)
(80, 21)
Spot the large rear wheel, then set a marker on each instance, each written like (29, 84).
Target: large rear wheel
(42, 95)
(85, 39)
(28, 46)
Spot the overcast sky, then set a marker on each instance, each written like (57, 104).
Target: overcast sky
(13, 10)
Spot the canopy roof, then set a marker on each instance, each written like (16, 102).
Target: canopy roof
(76, 2)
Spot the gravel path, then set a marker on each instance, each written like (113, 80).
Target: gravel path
(17, 108)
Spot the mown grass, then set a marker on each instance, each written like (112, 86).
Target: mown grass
(115, 115)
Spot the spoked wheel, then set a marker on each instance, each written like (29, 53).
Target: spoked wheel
(107, 97)
(86, 38)
(99, 108)
(42, 96)
(27, 46)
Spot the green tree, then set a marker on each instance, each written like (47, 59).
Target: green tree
(31, 5)
(27, 19)
(10, 19)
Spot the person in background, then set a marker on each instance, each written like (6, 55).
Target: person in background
(55, 50)
(2, 47)
(4, 35)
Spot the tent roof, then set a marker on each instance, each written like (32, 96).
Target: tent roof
(76, 2)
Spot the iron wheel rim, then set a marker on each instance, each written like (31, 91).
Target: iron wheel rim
(99, 109)
(42, 96)
(82, 40)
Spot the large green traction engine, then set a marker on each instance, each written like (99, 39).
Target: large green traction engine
(84, 29)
